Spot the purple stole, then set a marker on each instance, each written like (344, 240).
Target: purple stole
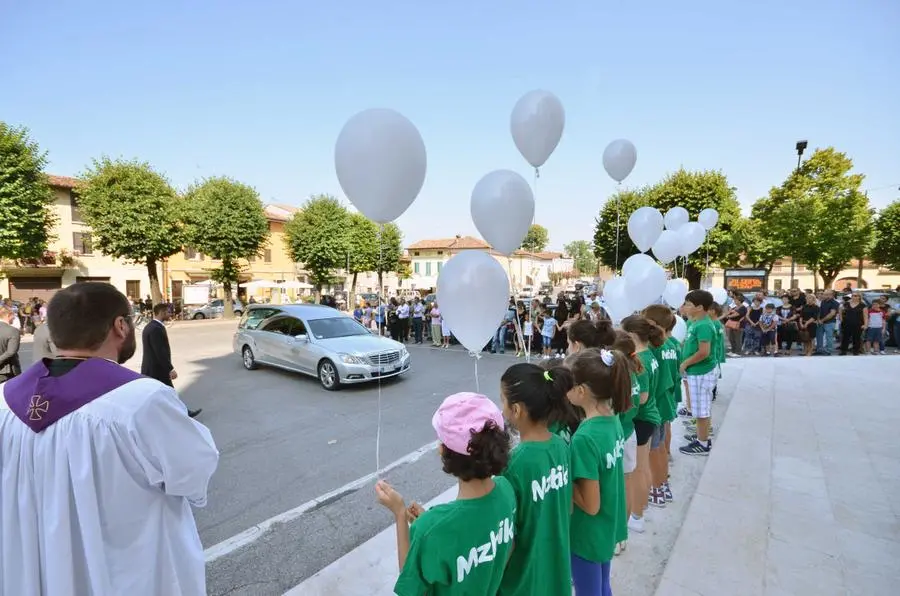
(40, 400)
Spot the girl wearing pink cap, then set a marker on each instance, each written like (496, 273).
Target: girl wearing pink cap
(461, 547)
(538, 471)
(603, 390)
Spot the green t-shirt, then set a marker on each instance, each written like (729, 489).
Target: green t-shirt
(539, 475)
(627, 418)
(720, 341)
(667, 358)
(597, 448)
(461, 547)
(702, 331)
(649, 379)
(675, 394)
(561, 430)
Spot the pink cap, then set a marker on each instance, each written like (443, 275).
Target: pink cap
(460, 415)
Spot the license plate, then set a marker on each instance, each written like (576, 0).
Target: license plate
(383, 369)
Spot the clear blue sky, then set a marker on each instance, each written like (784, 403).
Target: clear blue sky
(259, 91)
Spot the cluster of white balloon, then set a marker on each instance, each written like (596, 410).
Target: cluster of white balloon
(644, 281)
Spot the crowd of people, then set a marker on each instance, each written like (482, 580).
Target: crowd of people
(594, 444)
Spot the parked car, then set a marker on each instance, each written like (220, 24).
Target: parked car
(318, 341)
(211, 310)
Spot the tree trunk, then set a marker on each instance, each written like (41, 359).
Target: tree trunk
(352, 295)
(227, 304)
(828, 278)
(155, 293)
(380, 291)
(859, 274)
(693, 276)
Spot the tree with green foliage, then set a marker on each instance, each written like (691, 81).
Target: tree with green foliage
(318, 237)
(822, 219)
(757, 246)
(536, 239)
(226, 221)
(615, 211)
(362, 248)
(134, 214)
(390, 252)
(582, 254)
(26, 215)
(886, 249)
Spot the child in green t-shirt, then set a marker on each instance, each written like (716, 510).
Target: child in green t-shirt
(670, 377)
(699, 365)
(538, 471)
(603, 390)
(647, 423)
(461, 547)
(715, 314)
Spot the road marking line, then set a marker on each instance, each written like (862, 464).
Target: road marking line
(251, 535)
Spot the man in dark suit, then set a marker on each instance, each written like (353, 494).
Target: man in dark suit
(157, 358)
(9, 346)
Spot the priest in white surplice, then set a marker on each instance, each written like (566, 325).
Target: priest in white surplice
(99, 466)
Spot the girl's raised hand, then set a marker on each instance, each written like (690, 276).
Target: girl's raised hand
(389, 498)
(413, 512)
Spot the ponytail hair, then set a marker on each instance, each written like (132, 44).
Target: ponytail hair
(605, 373)
(592, 334)
(661, 315)
(488, 455)
(542, 391)
(646, 331)
(625, 344)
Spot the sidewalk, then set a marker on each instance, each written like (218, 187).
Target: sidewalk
(798, 497)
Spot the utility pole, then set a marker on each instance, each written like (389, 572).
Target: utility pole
(801, 146)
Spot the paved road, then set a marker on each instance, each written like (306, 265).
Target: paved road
(285, 441)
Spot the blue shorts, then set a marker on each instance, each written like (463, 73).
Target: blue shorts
(767, 338)
(547, 340)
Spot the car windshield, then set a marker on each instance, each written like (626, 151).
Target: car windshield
(335, 327)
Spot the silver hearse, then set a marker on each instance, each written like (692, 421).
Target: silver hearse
(318, 341)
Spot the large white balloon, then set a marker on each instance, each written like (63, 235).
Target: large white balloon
(537, 124)
(676, 217)
(644, 284)
(668, 247)
(502, 208)
(473, 293)
(708, 218)
(679, 332)
(644, 227)
(676, 290)
(619, 158)
(720, 295)
(635, 262)
(692, 236)
(615, 299)
(380, 162)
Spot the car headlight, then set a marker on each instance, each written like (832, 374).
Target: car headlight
(351, 359)
(403, 352)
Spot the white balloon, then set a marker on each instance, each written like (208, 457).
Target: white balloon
(668, 247)
(619, 158)
(380, 162)
(644, 284)
(720, 295)
(708, 218)
(644, 227)
(679, 332)
(676, 217)
(615, 299)
(676, 290)
(473, 292)
(502, 208)
(692, 236)
(536, 124)
(635, 262)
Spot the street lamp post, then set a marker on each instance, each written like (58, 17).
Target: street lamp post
(801, 146)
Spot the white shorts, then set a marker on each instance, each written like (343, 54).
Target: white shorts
(629, 458)
(701, 390)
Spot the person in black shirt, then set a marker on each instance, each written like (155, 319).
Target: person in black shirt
(853, 319)
(809, 316)
(828, 310)
(787, 324)
(734, 324)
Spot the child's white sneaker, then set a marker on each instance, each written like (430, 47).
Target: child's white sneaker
(636, 524)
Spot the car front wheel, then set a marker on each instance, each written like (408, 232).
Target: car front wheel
(248, 358)
(199, 316)
(328, 375)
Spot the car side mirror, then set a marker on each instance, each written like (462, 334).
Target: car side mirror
(301, 337)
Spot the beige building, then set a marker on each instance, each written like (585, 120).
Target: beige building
(427, 258)
(70, 258)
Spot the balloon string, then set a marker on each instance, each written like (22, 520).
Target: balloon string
(537, 174)
(384, 319)
(477, 357)
(618, 223)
